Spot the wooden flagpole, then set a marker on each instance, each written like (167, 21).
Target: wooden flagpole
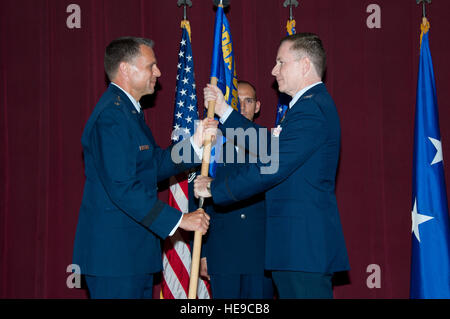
(195, 265)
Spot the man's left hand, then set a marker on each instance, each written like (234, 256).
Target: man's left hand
(200, 186)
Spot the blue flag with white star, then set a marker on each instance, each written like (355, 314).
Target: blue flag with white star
(185, 111)
(430, 256)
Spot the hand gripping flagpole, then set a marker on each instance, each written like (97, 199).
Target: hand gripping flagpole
(207, 146)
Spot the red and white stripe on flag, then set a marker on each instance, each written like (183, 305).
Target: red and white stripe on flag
(177, 252)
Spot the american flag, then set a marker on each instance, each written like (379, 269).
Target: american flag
(177, 251)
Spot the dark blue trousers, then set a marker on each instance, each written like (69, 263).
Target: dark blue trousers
(302, 285)
(127, 287)
(239, 286)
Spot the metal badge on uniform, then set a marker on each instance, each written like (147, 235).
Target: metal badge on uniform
(192, 176)
(118, 101)
(308, 96)
(144, 147)
(277, 131)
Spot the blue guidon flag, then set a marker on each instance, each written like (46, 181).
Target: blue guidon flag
(430, 256)
(223, 67)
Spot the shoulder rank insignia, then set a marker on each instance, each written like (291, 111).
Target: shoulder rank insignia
(117, 100)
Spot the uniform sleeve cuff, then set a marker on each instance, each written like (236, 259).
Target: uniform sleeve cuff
(197, 150)
(225, 115)
(176, 226)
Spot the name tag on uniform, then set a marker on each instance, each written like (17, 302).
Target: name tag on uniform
(144, 147)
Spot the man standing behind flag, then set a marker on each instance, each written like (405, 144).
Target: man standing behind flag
(121, 220)
(304, 240)
(233, 251)
(177, 254)
(430, 259)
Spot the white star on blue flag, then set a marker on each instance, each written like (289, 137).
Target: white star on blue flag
(430, 252)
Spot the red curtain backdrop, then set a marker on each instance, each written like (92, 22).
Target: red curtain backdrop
(52, 76)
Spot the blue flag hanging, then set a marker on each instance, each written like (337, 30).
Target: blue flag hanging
(223, 67)
(430, 256)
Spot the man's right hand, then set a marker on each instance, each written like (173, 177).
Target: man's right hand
(195, 221)
(213, 93)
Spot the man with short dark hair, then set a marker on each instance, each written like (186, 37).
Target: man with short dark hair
(121, 221)
(304, 239)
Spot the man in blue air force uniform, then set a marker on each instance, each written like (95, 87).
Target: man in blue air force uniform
(121, 221)
(233, 249)
(304, 239)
